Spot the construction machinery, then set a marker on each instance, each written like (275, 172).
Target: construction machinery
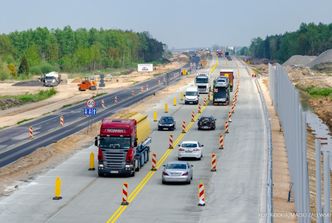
(87, 84)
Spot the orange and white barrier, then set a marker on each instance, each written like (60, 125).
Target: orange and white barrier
(147, 87)
(205, 102)
(62, 121)
(125, 194)
(170, 141)
(30, 132)
(213, 162)
(199, 108)
(221, 141)
(183, 127)
(116, 100)
(132, 93)
(230, 116)
(154, 162)
(142, 89)
(201, 195)
(233, 107)
(159, 82)
(192, 116)
(102, 103)
(226, 127)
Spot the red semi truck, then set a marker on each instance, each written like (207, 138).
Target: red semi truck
(123, 145)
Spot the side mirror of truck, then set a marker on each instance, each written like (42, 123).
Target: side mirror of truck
(96, 141)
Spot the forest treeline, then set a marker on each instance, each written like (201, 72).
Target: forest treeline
(42, 50)
(309, 39)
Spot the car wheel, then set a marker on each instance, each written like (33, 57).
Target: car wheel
(189, 182)
(163, 182)
(179, 158)
(101, 174)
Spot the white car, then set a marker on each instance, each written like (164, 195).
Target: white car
(190, 149)
(191, 95)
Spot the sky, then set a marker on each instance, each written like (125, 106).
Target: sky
(177, 23)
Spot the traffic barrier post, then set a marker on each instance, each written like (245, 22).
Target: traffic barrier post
(142, 89)
(221, 141)
(183, 127)
(62, 121)
(213, 162)
(192, 116)
(116, 100)
(199, 108)
(174, 101)
(154, 162)
(166, 108)
(92, 162)
(30, 132)
(125, 194)
(102, 102)
(226, 127)
(57, 190)
(205, 102)
(230, 116)
(170, 141)
(155, 116)
(201, 194)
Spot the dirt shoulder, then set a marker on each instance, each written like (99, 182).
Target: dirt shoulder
(68, 94)
(43, 159)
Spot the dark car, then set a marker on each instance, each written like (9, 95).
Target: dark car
(166, 123)
(207, 123)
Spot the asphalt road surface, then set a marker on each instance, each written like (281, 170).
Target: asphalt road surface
(235, 193)
(15, 141)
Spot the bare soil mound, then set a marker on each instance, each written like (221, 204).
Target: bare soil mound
(298, 60)
(323, 61)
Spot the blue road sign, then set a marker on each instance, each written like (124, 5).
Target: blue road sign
(90, 111)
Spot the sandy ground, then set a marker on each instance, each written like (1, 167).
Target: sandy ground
(69, 94)
(26, 168)
(281, 177)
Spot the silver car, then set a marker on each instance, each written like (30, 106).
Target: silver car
(177, 171)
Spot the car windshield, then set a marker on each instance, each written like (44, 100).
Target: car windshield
(189, 145)
(49, 78)
(177, 166)
(191, 93)
(115, 142)
(202, 80)
(205, 119)
(166, 120)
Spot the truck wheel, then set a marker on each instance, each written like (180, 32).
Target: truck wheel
(137, 165)
(146, 156)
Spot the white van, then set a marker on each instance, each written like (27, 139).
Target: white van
(191, 96)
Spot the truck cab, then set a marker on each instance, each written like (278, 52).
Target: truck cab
(221, 91)
(123, 145)
(202, 83)
(191, 96)
(229, 73)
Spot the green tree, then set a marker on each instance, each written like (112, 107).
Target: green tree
(24, 66)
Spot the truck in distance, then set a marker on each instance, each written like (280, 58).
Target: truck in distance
(51, 79)
(229, 73)
(202, 83)
(221, 91)
(123, 144)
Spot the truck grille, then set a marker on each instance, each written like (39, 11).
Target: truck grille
(201, 87)
(114, 159)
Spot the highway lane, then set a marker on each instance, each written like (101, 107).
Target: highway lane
(86, 198)
(15, 143)
(233, 192)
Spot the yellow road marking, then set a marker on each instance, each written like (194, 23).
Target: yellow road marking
(116, 215)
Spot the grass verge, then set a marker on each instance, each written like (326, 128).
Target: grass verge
(319, 92)
(24, 120)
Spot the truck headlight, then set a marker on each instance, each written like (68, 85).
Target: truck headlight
(101, 165)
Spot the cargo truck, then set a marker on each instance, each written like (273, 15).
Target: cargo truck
(202, 83)
(51, 79)
(230, 75)
(123, 144)
(221, 91)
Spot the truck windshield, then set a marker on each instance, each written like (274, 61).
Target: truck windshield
(115, 142)
(202, 80)
(220, 92)
(191, 93)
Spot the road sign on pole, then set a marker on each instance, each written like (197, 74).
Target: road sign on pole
(91, 103)
(90, 111)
